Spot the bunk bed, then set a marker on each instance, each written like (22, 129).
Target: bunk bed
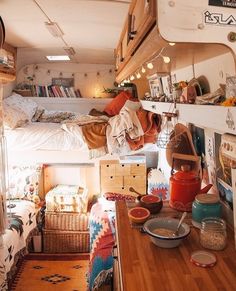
(42, 137)
(62, 141)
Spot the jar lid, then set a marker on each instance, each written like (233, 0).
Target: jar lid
(207, 198)
(203, 259)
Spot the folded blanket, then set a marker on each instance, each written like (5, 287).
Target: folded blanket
(95, 135)
(151, 125)
(126, 123)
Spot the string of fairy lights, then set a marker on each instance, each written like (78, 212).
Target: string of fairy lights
(31, 72)
(148, 65)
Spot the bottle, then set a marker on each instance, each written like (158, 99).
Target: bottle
(213, 234)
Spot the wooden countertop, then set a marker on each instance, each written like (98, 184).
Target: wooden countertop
(146, 267)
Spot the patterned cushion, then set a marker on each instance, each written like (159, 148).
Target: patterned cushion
(23, 104)
(13, 117)
(39, 111)
(118, 197)
(24, 182)
(55, 116)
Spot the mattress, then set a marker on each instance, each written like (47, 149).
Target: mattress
(44, 136)
(50, 143)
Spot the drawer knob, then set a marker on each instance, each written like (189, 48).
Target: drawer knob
(153, 106)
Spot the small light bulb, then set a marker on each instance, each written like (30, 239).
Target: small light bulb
(132, 78)
(128, 80)
(138, 75)
(122, 84)
(171, 43)
(150, 66)
(166, 59)
(143, 70)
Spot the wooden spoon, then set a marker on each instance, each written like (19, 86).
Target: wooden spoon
(131, 189)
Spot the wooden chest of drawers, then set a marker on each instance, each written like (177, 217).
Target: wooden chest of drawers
(119, 177)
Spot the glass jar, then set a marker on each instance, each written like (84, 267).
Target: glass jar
(205, 205)
(213, 233)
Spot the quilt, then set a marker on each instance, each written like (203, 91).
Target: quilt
(102, 238)
(21, 221)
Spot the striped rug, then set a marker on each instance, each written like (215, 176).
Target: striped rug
(52, 273)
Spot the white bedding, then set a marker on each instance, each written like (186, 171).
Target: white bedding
(44, 136)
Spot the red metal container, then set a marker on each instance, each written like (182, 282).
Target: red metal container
(184, 186)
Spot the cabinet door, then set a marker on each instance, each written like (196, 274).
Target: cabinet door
(137, 182)
(109, 182)
(121, 55)
(108, 169)
(116, 270)
(138, 169)
(122, 169)
(141, 18)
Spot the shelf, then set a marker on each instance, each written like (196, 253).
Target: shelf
(7, 77)
(69, 100)
(206, 116)
(81, 105)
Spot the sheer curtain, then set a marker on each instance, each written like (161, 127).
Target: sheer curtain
(3, 212)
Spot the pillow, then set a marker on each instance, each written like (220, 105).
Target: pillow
(55, 116)
(24, 182)
(110, 196)
(133, 105)
(114, 107)
(13, 118)
(39, 111)
(24, 104)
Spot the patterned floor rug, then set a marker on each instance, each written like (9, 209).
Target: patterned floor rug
(52, 274)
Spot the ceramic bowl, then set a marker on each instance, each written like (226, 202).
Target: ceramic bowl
(168, 223)
(152, 202)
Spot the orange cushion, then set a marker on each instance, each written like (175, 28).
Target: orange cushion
(114, 107)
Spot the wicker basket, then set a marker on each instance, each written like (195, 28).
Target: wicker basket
(56, 241)
(66, 221)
